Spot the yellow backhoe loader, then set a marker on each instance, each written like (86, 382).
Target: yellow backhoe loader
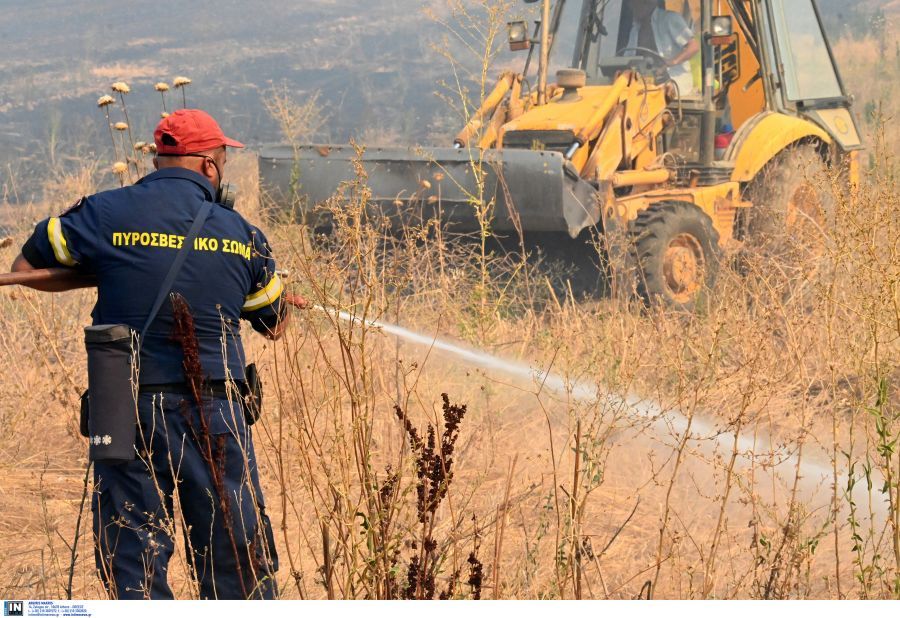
(616, 144)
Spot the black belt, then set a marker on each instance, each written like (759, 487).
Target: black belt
(216, 388)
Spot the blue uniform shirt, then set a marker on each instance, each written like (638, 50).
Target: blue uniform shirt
(128, 238)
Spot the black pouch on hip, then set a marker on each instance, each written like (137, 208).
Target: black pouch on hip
(252, 393)
(112, 392)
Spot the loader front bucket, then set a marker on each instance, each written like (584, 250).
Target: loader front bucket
(535, 191)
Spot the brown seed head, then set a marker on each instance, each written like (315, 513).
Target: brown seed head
(162, 87)
(121, 126)
(121, 87)
(120, 168)
(105, 100)
(180, 81)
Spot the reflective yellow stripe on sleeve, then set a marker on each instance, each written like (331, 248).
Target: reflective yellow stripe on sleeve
(265, 296)
(58, 242)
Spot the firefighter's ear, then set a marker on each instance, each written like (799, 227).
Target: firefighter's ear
(155, 163)
(212, 171)
(209, 169)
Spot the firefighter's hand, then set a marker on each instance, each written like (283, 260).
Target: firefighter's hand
(297, 301)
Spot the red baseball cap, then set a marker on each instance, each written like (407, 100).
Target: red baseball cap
(188, 131)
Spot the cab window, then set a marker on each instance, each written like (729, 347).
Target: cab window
(807, 69)
(563, 50)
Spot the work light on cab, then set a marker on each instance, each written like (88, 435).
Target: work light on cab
(518, 36)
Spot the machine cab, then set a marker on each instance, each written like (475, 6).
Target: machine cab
(766, 55)
(604, 37)
(802, 77)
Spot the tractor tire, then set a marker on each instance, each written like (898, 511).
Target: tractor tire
(673, 255)
(793, 210)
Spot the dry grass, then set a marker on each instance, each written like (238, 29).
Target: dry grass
(558, 488)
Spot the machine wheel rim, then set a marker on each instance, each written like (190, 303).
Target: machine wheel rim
(803, 203)
(684, 265)
(805, 223)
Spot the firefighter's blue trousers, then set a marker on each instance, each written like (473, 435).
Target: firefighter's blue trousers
(205, 460)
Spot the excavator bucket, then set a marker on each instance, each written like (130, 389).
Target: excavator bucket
(535, 191)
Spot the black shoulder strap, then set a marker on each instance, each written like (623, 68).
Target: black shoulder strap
(176, 265)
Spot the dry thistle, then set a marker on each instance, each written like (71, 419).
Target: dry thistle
(164, 114)
(103, 103)
(121, 127)
(139, 146)
(151, 148)
(122, 88)
(181, 82)
(162, 88)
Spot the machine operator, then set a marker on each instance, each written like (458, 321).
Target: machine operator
(668, 34)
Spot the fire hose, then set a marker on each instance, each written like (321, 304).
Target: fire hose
(49, 275)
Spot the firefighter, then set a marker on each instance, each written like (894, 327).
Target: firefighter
(193, 444)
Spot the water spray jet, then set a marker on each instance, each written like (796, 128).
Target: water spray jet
(814, 468)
